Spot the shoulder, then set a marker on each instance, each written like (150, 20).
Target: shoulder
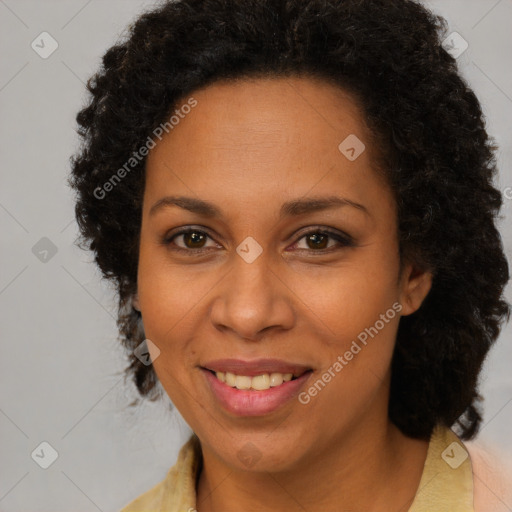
(150, 500)
(177, 490)
(492, 478)
(466, 476)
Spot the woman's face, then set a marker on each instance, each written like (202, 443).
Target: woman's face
(291, 265)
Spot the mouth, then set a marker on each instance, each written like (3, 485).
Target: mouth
(254, 388)
(259, 382)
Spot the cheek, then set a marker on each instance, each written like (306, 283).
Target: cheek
(359, 320)
(357, 311)
(357, 325)
(351, 297)
(168, 293)
(168, 297)
(165, 298)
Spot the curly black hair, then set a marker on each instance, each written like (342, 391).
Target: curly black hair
(439, 161)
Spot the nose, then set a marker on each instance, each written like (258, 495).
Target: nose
(252, 300)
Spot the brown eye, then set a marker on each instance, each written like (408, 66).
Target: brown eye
(193, 239)
(324, 241)
(188, 240)
(317, 241)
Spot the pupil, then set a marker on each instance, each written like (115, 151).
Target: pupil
(194, 237)
(315, 239)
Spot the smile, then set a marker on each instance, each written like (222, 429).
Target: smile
(256, 395)
(257, 383)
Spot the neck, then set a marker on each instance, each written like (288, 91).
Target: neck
(373, 467)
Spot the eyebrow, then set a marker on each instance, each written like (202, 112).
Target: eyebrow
(295, 207)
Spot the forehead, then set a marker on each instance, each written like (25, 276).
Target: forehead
(264, 137)
(268, 112)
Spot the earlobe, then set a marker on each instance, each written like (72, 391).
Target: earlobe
(135, 302)
(416, 286)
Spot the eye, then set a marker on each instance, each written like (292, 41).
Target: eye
(318, 241)
(191, 240)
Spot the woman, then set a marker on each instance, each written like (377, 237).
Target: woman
(295, 201)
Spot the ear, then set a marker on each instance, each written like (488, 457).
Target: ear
(135, 302)
(415, 285)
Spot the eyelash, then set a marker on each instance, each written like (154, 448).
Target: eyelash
(344, 241)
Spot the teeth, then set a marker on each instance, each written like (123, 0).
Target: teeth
(276, 379)
(259, 382)
(230, 379)
(243, 382)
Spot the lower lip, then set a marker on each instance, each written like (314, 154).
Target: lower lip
(254, 403)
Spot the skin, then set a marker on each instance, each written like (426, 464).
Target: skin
(248, 147)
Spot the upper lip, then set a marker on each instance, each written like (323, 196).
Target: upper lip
(256, 366)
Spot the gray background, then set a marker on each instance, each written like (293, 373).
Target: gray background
(61, 368)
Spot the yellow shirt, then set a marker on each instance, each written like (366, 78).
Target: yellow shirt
(446, 483)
